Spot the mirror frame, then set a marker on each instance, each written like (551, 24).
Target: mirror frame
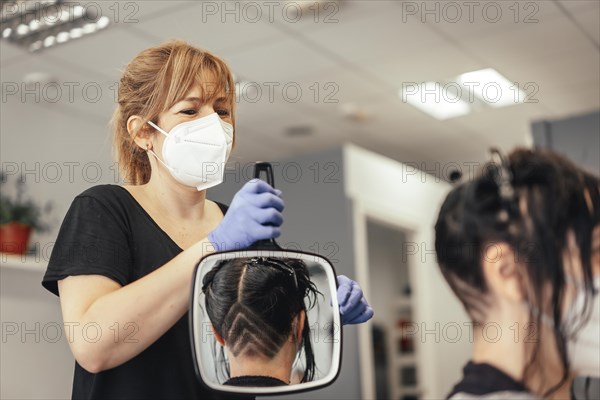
(262, 391)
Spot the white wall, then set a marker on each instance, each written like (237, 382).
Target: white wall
(61, 155)
(389, 191)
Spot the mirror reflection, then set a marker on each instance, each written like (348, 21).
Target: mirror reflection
(261, 321)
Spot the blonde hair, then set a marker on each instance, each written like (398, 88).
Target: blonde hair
(153, 82)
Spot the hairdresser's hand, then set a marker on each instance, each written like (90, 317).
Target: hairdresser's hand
(353, 305)
(254, 214)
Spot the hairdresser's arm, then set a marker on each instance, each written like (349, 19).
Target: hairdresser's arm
(108, 324)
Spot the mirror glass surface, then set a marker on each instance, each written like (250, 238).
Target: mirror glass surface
(265, 321)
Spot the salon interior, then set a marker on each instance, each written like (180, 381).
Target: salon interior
(368, 111)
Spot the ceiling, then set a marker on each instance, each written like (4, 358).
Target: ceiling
(358, 53)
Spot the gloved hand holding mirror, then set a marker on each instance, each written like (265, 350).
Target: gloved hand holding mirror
(266, 320)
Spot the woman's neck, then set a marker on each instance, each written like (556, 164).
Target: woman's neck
(279, 367)
(507, 351)
(174, 199)
(493, 348)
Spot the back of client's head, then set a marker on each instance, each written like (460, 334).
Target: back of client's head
(537, 203)
(253, 305)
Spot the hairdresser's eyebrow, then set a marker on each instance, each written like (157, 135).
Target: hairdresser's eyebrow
(191, 99)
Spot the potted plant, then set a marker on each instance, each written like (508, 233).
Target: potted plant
(19, 216)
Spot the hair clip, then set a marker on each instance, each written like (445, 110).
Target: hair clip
(503, 176)
(275, 263)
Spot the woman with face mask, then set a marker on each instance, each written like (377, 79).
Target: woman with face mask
(520, 247)
(123, 260)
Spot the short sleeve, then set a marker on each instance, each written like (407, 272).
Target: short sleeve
(91, 241)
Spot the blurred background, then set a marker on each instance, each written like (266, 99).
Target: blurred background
(365, 108)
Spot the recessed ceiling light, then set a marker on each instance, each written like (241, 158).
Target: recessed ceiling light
(22, 29)
(34, 24)
(49, 41)
(468, 92)
(62, 37)
(76, 33)
(89, 28)
(103, 22)
(434, 99)
(492, 88)
(77, 11)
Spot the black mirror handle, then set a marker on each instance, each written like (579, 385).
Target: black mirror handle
(265, 167)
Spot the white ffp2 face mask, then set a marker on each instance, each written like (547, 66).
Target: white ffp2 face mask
(584, 347)
(195, 152)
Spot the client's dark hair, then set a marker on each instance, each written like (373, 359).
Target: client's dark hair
(251, 303)
(530, 201)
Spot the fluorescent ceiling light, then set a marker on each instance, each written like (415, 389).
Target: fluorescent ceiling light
(434, 99)
(36, 25)
(492, 88)
(103, 22)
(468, 92)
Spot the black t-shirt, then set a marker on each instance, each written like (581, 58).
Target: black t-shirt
(107, 232)
(255, 381)
(484, 381)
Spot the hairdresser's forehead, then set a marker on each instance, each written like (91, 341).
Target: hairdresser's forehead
(206, 89)
(210, 85)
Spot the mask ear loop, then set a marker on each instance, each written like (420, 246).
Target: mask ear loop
(148, 149)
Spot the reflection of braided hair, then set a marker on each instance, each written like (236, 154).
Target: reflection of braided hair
(252, 302)
(530, 202)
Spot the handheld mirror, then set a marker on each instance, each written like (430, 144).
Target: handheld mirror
(265, 320)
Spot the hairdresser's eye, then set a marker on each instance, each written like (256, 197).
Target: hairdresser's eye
(189, 111)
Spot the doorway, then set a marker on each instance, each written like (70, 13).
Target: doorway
(390, 294)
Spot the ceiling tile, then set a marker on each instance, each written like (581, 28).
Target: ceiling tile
(278, 60)
(542, 75)
(377, 35)
(211, 28)
(580, 5)
(305, 16)
(480, 19)
(59, 85)
(430, 64)
(529, 42)
(574, 100)
(504, 127)
(99, 54)
(589, 19)
(10, 53)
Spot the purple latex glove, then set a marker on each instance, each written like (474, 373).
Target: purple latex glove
(254, 214)
(354, 308)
